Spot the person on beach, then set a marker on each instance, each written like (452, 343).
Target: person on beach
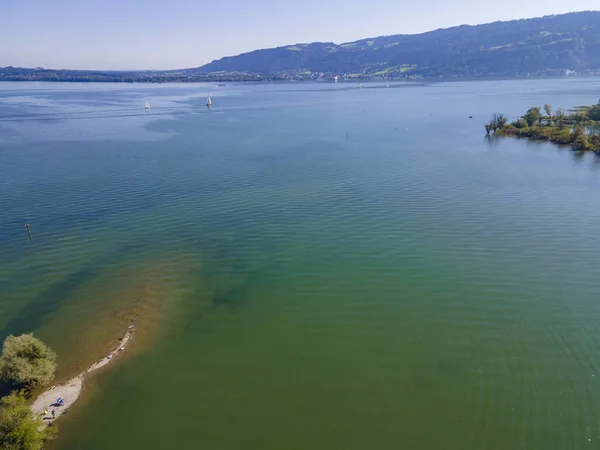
(53, 414)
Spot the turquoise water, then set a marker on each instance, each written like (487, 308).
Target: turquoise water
(411, 283)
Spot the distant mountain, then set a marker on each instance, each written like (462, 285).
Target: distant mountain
(528, 46)
(548, 45)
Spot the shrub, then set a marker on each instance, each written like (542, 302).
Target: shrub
(545, 133)
(533, 131)
(26, 361)
(581, 143)
(524, 131)
(521, 123)
(577, 132)
(562, 136)
(507, 130)
(595, 142)
(580, 139)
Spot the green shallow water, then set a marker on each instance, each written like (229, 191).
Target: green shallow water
(412, 284)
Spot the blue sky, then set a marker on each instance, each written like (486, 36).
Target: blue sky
(160, 34)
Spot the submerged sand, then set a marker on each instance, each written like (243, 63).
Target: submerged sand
(71, 390)
(136, 298)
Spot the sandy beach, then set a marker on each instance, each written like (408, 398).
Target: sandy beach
(71, 390)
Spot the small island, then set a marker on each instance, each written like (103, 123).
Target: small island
(580, 128)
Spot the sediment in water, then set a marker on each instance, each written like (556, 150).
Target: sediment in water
(134, 299)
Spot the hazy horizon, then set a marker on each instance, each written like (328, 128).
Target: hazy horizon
(156, 35)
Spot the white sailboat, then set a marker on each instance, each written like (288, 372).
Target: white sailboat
(209, 102)
(147, 107)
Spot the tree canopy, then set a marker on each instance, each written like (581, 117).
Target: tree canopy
(497, 122)
(594, 112)
(26, 361)
(532, 115)
(19, 428)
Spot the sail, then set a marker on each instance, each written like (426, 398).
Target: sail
(208, 102)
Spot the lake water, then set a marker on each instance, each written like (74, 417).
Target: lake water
(309, 266)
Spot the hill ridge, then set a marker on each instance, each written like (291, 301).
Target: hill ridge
(550, 43)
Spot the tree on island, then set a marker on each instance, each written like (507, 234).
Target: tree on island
(559, 117)
(26, 362)
(19, 428)
(532, 116)
(548, 110)
(594, 113)
(497, 123)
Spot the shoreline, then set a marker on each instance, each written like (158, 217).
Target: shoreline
(71, 390)
(265, 80)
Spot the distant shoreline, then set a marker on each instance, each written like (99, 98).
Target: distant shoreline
(275, 80)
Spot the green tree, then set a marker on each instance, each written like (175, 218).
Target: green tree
(594, 113)
(497, 122)
(19, 428)
(548, 110)
(501, 121)
(559, 117)
(532, 115)
(26, 361)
